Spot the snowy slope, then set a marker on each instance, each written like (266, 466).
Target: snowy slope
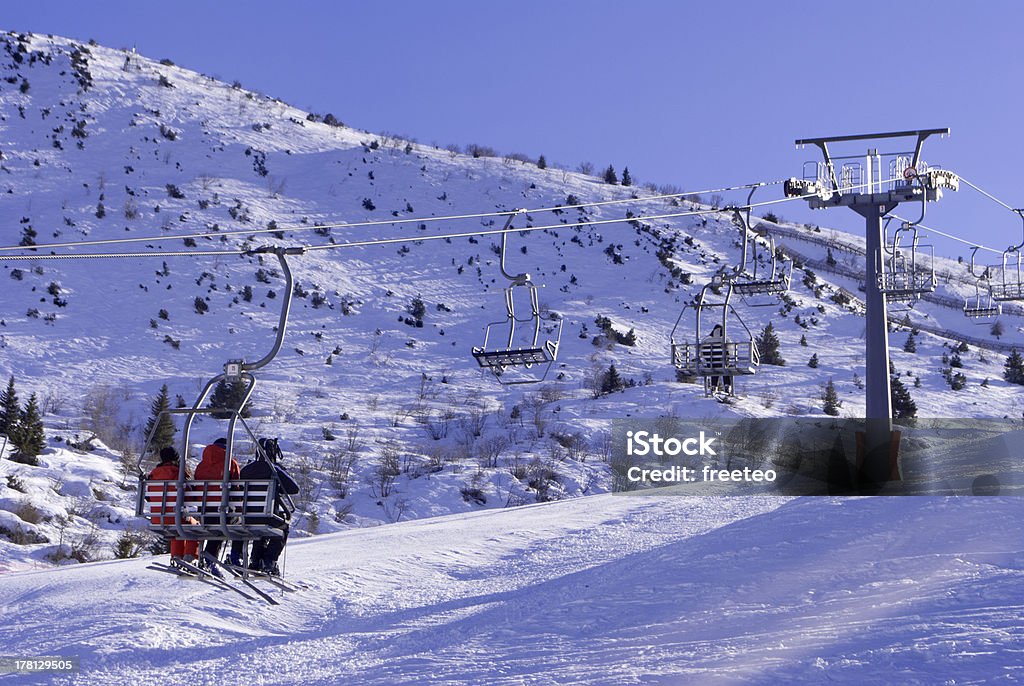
(600, 590)
(169, 152)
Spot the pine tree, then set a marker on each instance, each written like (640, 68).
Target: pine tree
(813, 362)
(997, 329)
(165, 429)
(10, 411)
(903, 406)
(29, 439)
(609, 175)
(768, 346)
(832, 401)
(612, 381)
(542, 162)
(911, 345)
(228, 396)
(627, 180)
(803, 340)
(1013, 370)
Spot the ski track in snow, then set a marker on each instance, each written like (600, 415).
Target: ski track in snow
(599, 590)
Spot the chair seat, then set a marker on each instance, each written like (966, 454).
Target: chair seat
(514, 357)
(982, 311)
(1007, 291)
(772, 287)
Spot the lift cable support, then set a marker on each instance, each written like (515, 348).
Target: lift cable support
(750, 277)
(190, 509)
(909, 180)
(715, 357)
(984, 306)
(514, 355)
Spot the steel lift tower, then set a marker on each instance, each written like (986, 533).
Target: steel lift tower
(872, 185)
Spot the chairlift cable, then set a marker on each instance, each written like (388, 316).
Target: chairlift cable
(381, 222)
(987, 194)
(950, 236)
(379, 241)
(386, 241)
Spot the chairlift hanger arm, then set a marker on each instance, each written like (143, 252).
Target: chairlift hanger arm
(517, 279)
(286, 303)
(1015, 248)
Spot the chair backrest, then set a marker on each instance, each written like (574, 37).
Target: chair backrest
(248, 506)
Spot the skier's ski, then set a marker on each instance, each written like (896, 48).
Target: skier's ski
(291, 586)
(206, 575)
(210, 559)
(179, 572)
(170, 570)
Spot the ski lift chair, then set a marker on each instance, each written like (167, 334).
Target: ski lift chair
(715, 357)
(224, 509)
(749, 277)
(531, 360)
(984, 305)
(1009, 286)
(903, 278)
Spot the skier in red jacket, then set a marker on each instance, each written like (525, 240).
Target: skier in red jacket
(211, 468)
(167, 470)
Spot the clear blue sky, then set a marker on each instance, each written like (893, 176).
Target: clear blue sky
(693, 94)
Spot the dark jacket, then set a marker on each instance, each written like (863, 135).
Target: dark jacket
(264, 470)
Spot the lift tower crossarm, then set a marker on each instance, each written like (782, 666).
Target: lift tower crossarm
(823, 142)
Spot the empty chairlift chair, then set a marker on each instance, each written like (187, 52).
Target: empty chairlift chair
(1009, 286)
(909, 271)
(759, 271)
(983, 305)
(722, 347)
(523, 356)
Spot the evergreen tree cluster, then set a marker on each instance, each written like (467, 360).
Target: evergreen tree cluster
(163, 435)
(612, 381)
(1013, 370)
(903, 406)
(229, 396)
(768, 346)
(23, 426)
(831, 400)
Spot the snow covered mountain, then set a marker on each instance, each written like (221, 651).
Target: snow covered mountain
(382, 419)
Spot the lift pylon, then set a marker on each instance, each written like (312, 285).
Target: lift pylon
(909, 180)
